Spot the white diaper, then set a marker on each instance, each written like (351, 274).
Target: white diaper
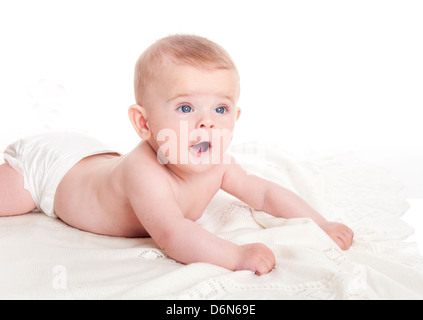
(43, 160)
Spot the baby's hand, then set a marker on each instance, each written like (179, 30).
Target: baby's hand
(256, 257)
(340, 233)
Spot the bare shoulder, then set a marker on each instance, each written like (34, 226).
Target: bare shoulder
(140, 168)
(149, 191)
(145, 182)
(232, 174)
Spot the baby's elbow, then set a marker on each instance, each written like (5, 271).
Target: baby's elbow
(169, 240)
(163, 239)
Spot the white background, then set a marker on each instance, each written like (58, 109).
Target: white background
(315, 75)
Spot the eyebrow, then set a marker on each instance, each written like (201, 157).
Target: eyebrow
(182, 95)
(187, 95)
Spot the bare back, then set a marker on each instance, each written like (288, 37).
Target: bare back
(93, 195)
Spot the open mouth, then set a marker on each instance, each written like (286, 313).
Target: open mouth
(201, 147)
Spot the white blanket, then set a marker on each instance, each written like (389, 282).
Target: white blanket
(43, 258)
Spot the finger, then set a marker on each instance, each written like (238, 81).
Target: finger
(339, 241)
(264, 267)
(347, 239)
(351, 238)
(270, 259)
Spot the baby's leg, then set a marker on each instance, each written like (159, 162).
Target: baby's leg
(14, 199)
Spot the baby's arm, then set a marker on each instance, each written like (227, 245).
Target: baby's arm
(264, 195)
(186, 241)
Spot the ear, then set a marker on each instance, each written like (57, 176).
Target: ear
(238, 113)
(138, 117)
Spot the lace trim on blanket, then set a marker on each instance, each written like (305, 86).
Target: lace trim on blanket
(152, 254)
(352, 285)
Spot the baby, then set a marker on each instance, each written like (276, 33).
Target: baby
(186, 90)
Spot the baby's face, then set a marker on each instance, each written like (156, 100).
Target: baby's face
(192, 114)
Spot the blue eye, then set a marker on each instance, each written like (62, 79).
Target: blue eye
(221, 110)
(185, 108)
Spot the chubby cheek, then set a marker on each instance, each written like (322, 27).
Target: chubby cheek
(221, 140)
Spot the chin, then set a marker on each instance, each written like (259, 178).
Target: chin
(194, 168)
(198, 162)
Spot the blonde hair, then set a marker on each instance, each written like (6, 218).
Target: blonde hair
(189, 50)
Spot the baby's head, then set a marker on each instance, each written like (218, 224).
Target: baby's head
(187, 50)
(186, 89)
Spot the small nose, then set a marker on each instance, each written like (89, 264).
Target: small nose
(205, 123)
